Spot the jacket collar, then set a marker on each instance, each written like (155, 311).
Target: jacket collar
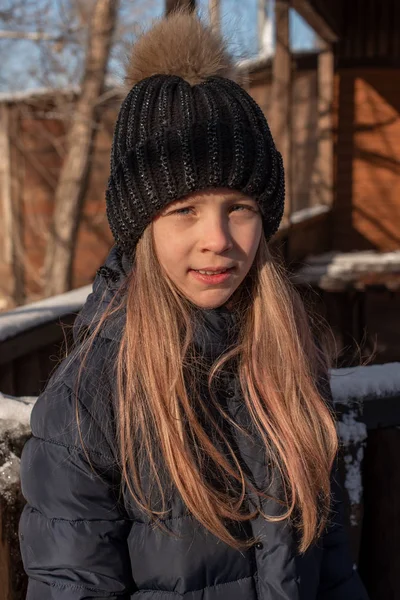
(215, 331)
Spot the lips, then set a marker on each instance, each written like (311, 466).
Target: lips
(208, 272)
(212, 276)
(212, 270)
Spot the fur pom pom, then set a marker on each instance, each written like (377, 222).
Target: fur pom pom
(182, 45)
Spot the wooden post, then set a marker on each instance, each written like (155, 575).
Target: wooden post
(214, 13)
(316, 21)
(380, 551)
(324, 171)
(171, 5)
(12, 201)
(5, 180)
(281, 96)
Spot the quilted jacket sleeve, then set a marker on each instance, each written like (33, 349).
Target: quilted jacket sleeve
(73, 531)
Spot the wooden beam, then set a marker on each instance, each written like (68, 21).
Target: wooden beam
(171, 5)
(324, 171)
(281, 95)
(5, 165)
(326, 75)
(309, 13)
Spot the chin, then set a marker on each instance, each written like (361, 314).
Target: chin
(212, 301)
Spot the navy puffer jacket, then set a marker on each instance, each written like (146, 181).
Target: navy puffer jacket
(81, 539)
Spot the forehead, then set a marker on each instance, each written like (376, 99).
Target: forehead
(213, 195)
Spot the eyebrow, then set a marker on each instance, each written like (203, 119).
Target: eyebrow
(180, 201)
(238, 198)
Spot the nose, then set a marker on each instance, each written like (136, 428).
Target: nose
(216, 236)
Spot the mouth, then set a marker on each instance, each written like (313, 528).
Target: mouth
(213, 270)
(212, 275)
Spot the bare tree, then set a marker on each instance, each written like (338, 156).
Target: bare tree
(53, 40)
(74, 174)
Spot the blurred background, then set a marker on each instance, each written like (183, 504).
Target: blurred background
(326, 73)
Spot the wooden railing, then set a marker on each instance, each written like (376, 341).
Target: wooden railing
(31, 341)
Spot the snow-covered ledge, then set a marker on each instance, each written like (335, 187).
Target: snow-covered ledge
(44, 311)
(14, 430)
(339, 270)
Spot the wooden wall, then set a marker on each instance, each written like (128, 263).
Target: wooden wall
(368, 30)
(370, 33)
(304, 183)
(40, 149)
(366, 211)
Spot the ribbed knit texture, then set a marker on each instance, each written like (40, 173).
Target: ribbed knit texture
(172, 138)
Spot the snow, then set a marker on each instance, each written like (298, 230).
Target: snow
(350, 430)
(267, 39)
(353, 387)
(14, 428)
(353, 436)
(341, 267)
(308, 213)
(15, 411)
(363, 383)
(44, 311)
(9, 476)
(32, 93)
(40, 92)
(254, 63)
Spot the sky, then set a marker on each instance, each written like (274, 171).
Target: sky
(24, 63)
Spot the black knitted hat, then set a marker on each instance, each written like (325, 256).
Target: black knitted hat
(178, 133)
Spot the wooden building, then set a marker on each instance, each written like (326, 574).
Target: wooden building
(335, 117)
(32, 135)
(357, 164)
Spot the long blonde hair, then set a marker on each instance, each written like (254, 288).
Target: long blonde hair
(159, 419)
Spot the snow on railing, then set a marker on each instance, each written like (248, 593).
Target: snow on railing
(334, 269)
(44, 311)
(352, 390)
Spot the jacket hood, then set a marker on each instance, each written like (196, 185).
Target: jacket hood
(109, 279)
(214, 329)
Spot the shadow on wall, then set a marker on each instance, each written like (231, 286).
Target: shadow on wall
(367, 204)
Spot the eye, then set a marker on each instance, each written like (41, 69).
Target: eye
(182, 211)
(243, 207)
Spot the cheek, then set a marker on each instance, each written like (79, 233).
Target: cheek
(169, 250)
(249, 239)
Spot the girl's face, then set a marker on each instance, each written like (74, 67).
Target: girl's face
(206, 243)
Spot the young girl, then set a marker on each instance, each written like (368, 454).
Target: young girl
(185, 447)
